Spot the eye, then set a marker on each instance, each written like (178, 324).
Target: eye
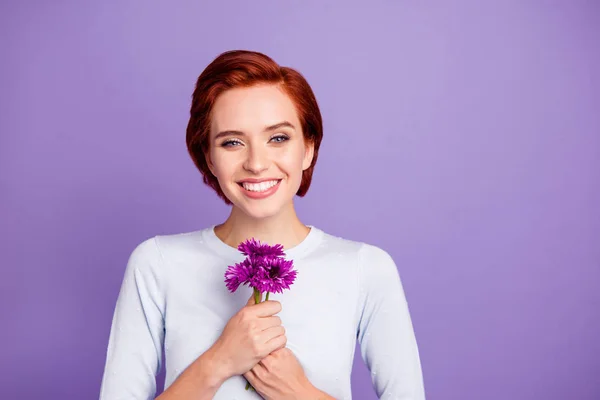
(230, 143)
(280, 138)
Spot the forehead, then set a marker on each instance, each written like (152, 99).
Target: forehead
(253, 108)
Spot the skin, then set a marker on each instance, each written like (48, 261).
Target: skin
(259, 154)
(253, 341)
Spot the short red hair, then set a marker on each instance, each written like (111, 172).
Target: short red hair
(239, 69)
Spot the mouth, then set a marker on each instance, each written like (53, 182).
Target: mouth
(261, 187)
(261, 190)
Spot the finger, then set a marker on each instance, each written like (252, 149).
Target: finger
(277, 341)
(267, 308)
(266, 362)
(272, 332)
(268, 322)
(259, 371)
(252, 378)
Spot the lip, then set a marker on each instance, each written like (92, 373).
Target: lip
(255, 180)
(260, 195)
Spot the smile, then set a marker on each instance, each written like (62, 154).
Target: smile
(260, 190)
(259, 187)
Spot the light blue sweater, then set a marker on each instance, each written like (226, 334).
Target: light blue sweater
(173, 295)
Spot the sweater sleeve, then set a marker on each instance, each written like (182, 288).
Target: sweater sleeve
(134, 354)
(385, 331)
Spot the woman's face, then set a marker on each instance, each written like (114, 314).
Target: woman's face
(257, 149)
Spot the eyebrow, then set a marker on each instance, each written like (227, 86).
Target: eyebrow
(284, 124)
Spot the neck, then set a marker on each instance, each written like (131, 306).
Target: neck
(284, 228)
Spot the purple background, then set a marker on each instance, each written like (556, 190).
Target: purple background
(462, 138)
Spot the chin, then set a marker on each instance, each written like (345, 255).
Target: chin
(261, 211)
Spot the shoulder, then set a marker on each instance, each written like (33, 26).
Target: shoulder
(144, 252)
(372, 259)
(341, 245)
(365, 251)
(150, 253)
(151, 259)
(178, 243)
(377, 266)
(373, 254)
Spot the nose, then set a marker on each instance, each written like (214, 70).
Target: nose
(257, 159)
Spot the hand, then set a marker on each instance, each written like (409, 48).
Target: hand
(280, 376)
(249, 336)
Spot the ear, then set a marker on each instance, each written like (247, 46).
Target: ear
(308, 155)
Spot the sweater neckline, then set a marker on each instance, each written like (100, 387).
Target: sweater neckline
(309, 242)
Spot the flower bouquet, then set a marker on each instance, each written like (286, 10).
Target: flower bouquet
(264, 269)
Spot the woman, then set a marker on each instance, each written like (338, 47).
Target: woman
(254, 134)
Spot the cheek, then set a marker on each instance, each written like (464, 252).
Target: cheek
(292, 160)
(222, 165)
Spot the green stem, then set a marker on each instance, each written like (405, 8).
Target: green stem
(257, 296)
(257, 299)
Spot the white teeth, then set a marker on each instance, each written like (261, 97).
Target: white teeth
(259, 187)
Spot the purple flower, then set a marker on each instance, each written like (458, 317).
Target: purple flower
(276, 276)
(238, 274)
(264, 269)
(255, 248)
